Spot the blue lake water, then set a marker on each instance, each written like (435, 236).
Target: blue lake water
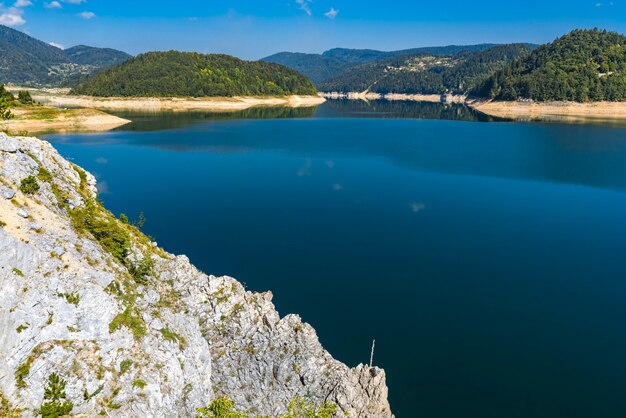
(487, 258)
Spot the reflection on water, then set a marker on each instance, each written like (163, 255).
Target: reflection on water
(380, 109)
(566, 153)
(402, 110)
(156, 121)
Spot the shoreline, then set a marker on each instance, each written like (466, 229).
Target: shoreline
(517, 110)
(568, 111)
(38, 119)
(429, 98)
(61, 98)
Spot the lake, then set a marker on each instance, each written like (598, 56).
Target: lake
(486, 257)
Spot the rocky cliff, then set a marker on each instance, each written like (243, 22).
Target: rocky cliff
(95, 319)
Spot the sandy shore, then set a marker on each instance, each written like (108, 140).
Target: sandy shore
(61, 98)
(551, 110)
(37, 119)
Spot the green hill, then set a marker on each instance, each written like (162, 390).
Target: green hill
(26, 60)
(427, 72)
(322, 67)
(187, 74)
(97, 57)
(582, 66)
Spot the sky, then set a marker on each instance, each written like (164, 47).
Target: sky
(252, 29)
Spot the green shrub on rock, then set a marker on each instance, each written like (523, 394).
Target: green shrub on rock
(57, 405)
(29, 185)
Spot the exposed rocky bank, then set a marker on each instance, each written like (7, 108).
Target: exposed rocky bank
(131, 329)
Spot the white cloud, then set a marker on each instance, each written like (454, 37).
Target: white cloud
(87, 15)
(22, 3)
(53, 5)
(332, 13)
(304, 5)
(56, 45)
(12, 16)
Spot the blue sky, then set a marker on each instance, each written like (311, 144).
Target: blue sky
(252, 29)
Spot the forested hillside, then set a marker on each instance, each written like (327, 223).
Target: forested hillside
(26, 60)
(582, 66)
(426, 73)
(321, 67)
(186, 74)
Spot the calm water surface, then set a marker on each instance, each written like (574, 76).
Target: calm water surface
(487, 259)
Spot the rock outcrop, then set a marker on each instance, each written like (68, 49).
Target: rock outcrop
(132, 330)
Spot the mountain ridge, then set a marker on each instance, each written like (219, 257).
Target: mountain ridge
(29, 61)
(319, 67)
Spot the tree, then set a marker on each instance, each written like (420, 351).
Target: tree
(24, 97)
(57, 404)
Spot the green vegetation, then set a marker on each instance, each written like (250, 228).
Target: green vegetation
(71, 298)
(220, 408)
(298, 408)
(24, 97)
(29, 185)
(140, 270)
(582, 66)
(427, 74)
(21, 373)
(125, 365)
(131, 319)
(57, 404)
(28, 61)
(18, 272)
(21, 328)
(183, 74)
(323, 67)
(102, 225)
(7, 410)
(171, 336)
(5, 103)
(139, 383)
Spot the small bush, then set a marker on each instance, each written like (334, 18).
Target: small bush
(220, 408)
(104, 229)
(125, 365)
(21, 372)
(140, 270)
(57, 405)
(131, 320)
(171, 336)
(139, 383)
(24, 97)
(18, 272)
(71, 298)
(29, 185)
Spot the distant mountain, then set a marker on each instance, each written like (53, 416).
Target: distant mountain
(188, 74)
(427, 72)
(582, 66)
(26, 60)
(321, 67)
(97, 57)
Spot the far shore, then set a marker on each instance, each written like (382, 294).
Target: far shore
(571, 111)
(430, 98)
(61, 98)
(516, 110)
